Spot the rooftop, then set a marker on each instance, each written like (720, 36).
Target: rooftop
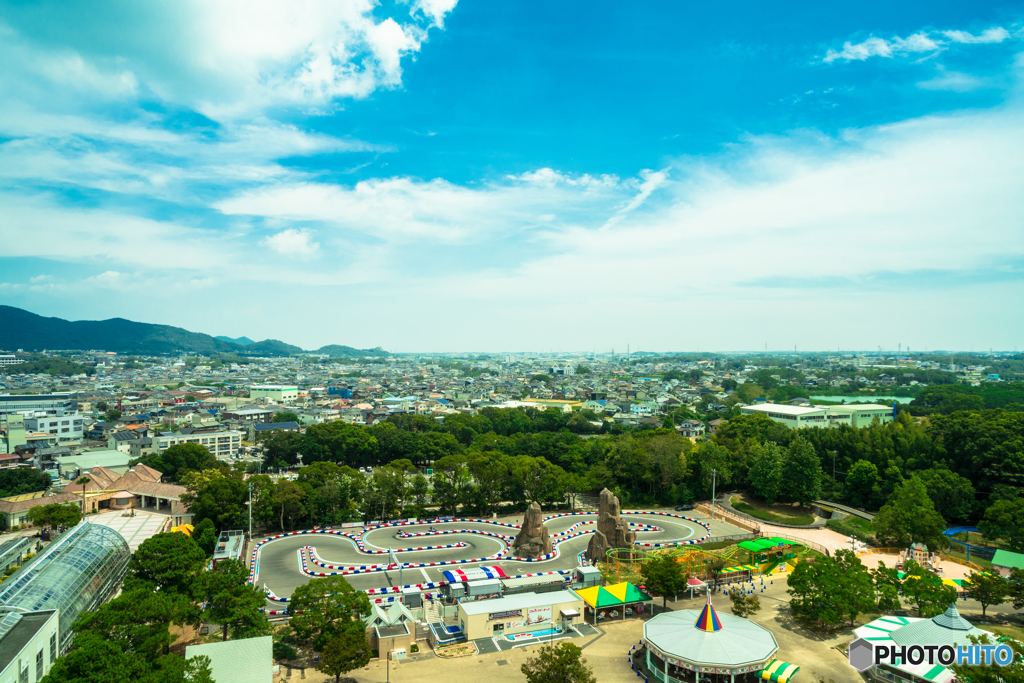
(523, 601)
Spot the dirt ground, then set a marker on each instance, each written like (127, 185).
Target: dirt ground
(950, 570)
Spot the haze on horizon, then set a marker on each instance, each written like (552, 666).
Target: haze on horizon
(433, 176)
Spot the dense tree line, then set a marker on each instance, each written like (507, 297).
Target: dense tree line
(965, 461)
(17, 480)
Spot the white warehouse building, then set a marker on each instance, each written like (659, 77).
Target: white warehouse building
(275, 392)
(821, 416)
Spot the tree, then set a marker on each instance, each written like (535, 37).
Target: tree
(926, 591)
(765, 474)
(112, 416)
(1005, 520)
(985, 673)
(232, 602)
(82, 481)
(165, 562)
(94, 659)
(663, 576)
(857, 591)
(812, 585)
(137, 620)
(801, 472)
(714, 568)
(744, 605)
(17, 480)
(888, 585)
(285, 417)
(988, 590)
(178, 459)
(280, 447)
(205, 536)
(55, 514)
(909, 517)
(952, 495)
(861, 485)
(288, 496)
(434, 446)
(323, 607)
(1015, 588)
(419, 489)
(344, 652)
(561, 663)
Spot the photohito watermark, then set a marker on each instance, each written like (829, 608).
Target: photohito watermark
(864, 653)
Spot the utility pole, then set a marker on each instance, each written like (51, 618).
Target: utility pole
(714, 476)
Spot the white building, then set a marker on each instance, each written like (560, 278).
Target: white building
(223, 444)
(28, 645)
(9, 359)
(64, 427)
(820, 416)
(274, 392)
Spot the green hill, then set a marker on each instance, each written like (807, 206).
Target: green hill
(20, 329)
(241, 341)
(338, 351)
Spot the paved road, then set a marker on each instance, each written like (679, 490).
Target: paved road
(279, 565)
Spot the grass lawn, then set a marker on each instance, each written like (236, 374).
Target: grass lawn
(776, 514)
(853, 526)
(1015, 632)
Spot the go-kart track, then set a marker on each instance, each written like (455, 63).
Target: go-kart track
(281, 563)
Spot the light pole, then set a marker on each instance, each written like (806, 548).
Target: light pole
(714, 477)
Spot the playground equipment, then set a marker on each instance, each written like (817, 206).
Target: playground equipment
(985, 553)
(919, 553)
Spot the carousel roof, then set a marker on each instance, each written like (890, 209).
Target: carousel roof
(735, 642)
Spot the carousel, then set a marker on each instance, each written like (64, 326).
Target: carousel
(689, 646)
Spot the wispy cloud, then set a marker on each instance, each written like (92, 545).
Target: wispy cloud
(920, 42)
(292, 242)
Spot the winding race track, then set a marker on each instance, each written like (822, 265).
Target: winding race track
(281, 563)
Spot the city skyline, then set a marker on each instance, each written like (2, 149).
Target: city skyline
(431, 176)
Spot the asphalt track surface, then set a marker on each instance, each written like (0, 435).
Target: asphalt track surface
(279, 568)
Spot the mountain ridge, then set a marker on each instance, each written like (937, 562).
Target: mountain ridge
(21, 329)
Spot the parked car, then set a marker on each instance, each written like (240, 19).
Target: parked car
(683, 508)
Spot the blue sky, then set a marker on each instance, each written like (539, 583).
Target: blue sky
(429, 176)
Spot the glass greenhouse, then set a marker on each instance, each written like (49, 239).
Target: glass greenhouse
(75, 574)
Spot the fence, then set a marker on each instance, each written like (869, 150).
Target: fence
(733, 519)
(633, 665)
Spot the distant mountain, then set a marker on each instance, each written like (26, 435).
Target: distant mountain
(337, 351)
(20, 329)
(241, 341)
(270, 347)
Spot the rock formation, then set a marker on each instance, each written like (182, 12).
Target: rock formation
(612, 531)
(533, 539)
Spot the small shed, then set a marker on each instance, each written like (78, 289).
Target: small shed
(1005, 562)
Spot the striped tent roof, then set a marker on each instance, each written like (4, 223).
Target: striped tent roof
(780, 671)
(708, 619)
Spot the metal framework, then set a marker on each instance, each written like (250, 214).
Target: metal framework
(75, 574)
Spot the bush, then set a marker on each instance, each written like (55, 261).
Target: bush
(282, 651)
(414, 648)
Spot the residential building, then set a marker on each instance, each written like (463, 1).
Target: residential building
(222, 443)
(63, 403)
(28, 645)
(274, 392)
(66, 427)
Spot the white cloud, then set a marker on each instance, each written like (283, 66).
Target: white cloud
(291, 242)
(992, 35)
(435, 9)
(954, 81)
(228, 59)
(922, 41)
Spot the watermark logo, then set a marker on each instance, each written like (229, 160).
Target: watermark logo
(864, 654)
